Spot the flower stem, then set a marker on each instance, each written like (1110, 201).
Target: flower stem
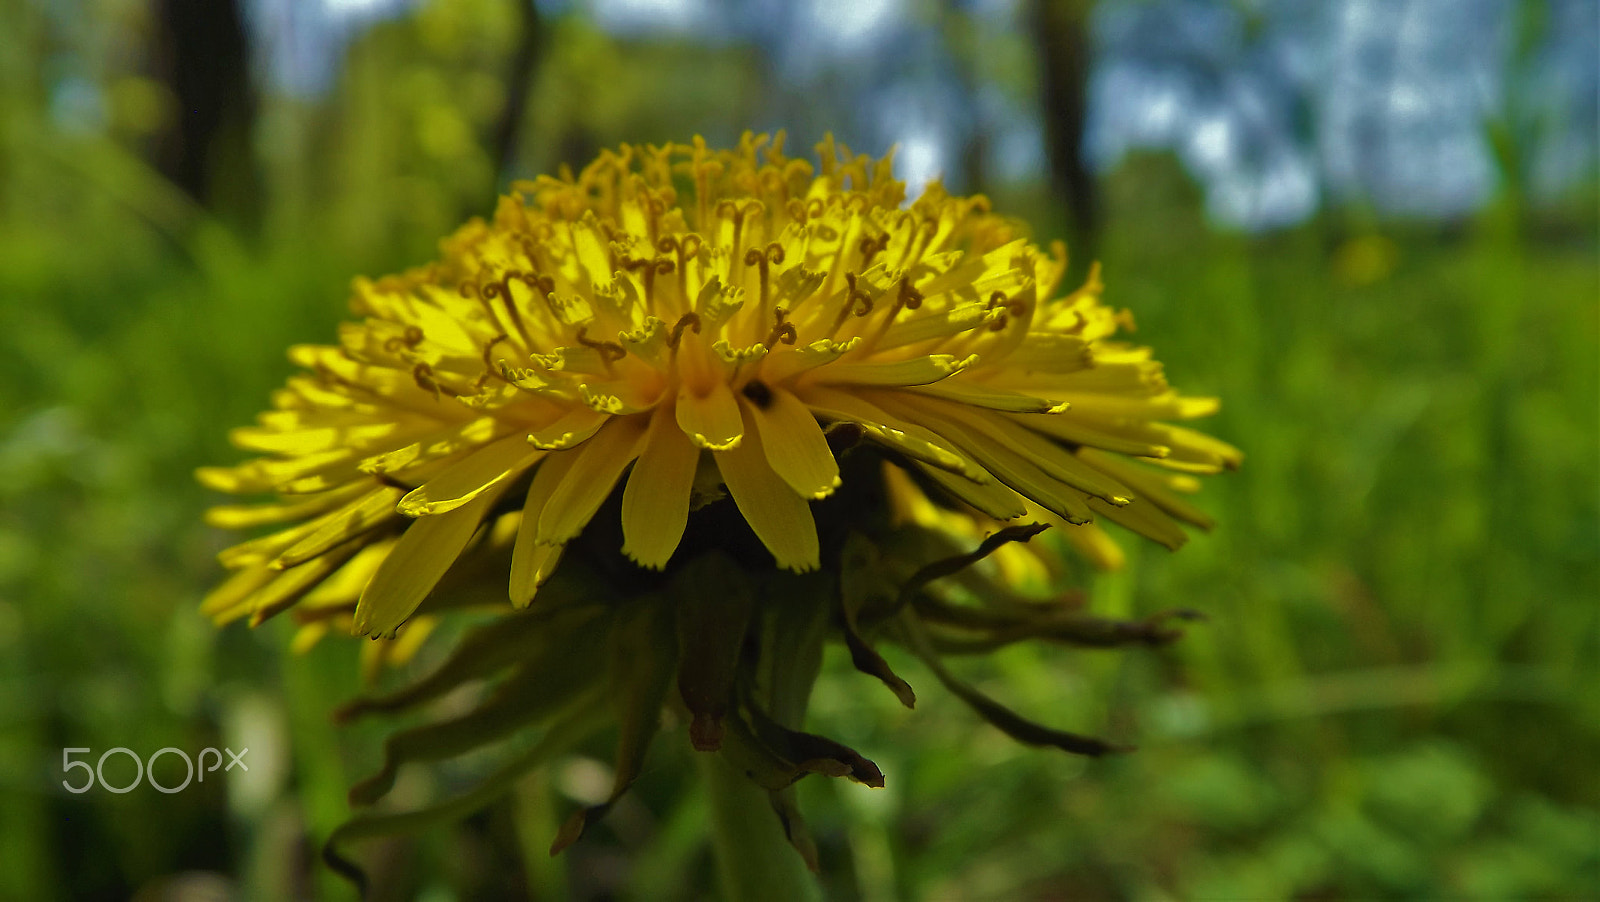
(754, 860)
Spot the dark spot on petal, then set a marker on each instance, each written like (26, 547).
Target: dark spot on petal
(843, 436)
(758, 393)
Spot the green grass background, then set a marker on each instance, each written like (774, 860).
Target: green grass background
(1395, 695)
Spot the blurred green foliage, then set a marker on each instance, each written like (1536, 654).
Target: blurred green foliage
(1395, 695)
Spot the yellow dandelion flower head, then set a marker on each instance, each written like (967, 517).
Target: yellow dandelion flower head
(687, 322)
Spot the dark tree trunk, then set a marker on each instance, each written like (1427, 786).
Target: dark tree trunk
(1061, 30)
(208, 151)
(519, 84)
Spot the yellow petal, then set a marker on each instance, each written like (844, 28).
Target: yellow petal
(797, 283)
(648, 342)
(590, 243)
(395, 387)
(940, 324)
(290, 586)
(575, 426)
(1045, 352)
(1151, 486)
(785, 362)
(1136, 378)
(1230, 456)
(910, 439)
(234, 590)
(916, 371)
(992, 498)
(441, 444)
(1074, 430)
(471, 476)
(780, 518)
(531, 563)
(655, 503)
(993, 271)
(262, 549)
(307, 637)
(404, 648)
(734, 357)
(1144, 519)
(1176, 462)
(1009, 466)
(251, 589)
(1045, 454)
(711, 421)
(245, 516)
(1155, 407)
(351, 520)
(977, 395)
(624, 397)
(1186, 450)
(343, 588)
(425, 551)
(595, 471)
(269, 474)
(552, 472)
(313, 440)
(717, 303)
(1092, 542)
(570, 309)
(795, 445)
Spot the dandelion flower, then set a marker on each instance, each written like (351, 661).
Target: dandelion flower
(683, 322)
(699, 411)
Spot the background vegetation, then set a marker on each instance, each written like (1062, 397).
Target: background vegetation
(1395, 695)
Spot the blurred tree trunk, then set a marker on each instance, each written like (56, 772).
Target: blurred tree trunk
(1061, 30)
(208, 152)
(961, 39)
(519, 84)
